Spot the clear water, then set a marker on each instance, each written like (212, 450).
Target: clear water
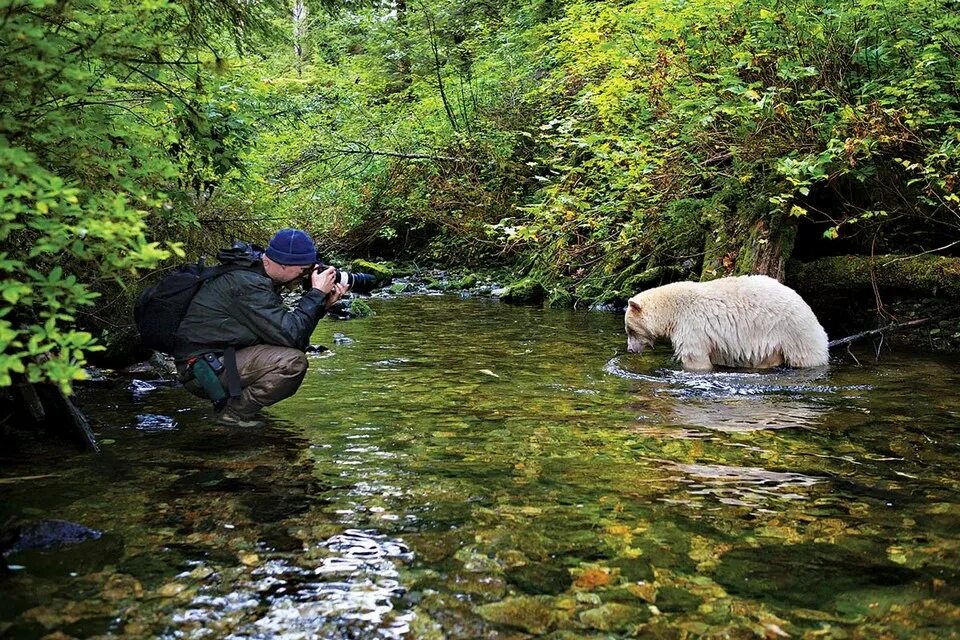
(468, 469)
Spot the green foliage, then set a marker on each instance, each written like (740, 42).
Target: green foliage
(848, 111)
(105, 123)
(391, 131)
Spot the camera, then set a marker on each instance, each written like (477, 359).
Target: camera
(362, 283)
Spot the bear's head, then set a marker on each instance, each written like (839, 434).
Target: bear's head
(640, 332)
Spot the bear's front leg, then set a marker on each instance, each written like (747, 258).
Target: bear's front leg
(696, 363)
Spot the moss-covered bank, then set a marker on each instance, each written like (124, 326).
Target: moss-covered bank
(929, 275)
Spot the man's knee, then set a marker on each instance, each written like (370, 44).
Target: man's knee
(285, 377)
(294, 362)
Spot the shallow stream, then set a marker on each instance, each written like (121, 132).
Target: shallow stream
(461, 468)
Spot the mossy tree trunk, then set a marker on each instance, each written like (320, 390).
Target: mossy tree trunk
(744, 236)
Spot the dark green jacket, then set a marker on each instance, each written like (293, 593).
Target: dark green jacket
(243, 308)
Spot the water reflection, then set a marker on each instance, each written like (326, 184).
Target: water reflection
(741, 486)
(465, 469)
(734, 401)
(746, 414)
(723, 383)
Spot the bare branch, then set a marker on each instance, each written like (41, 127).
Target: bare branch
(896, 326)
(943, 248)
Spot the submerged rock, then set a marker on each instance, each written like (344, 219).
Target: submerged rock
(50, 534)
(876, 601)
(614, 617)
(56, 548)
(531, 614)
(677, 599)
(804, 575)
(540, 578)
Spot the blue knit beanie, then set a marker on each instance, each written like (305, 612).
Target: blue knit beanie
(291, 247)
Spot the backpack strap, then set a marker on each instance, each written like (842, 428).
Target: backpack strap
(231, 372)
(217, 271)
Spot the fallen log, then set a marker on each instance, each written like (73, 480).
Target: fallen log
(46, 406)
(922, 274)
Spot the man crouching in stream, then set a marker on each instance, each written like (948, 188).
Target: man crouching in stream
(238, 333)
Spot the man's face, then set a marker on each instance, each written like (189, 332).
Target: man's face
(285, 273)
(295, 271)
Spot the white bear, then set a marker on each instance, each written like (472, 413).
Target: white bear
(745, 321)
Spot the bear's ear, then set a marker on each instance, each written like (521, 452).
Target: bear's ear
(635, 306)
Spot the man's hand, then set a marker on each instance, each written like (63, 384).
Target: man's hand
(339, 290)
(323, 280)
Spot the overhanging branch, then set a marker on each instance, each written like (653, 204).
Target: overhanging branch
(320, 154)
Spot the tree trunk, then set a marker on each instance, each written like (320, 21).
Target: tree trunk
(744, 236)
(45, 406)
(401, 75)
(299, 32)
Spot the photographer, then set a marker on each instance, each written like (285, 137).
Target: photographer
(238, 334)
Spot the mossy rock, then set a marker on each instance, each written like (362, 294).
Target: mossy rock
(614, 616)
(527, 290)
(380, 271)
(360, 309)
(531, 614)
(399, 287)
(466, 282)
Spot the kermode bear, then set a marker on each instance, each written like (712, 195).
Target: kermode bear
(745, 321)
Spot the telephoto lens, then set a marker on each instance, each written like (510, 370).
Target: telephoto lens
(362, 283)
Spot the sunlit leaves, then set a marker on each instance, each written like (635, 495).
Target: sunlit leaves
(693, 94)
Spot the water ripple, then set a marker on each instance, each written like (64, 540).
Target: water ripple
(350, 594)
(721, 384)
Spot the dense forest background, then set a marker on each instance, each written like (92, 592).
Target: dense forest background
(594, 148)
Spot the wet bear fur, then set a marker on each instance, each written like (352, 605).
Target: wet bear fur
(750, 322)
